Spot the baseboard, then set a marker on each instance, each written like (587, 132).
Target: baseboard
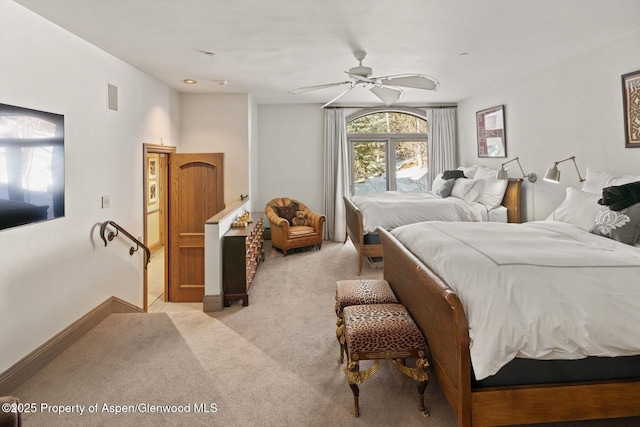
(212, 303)
(26, 367)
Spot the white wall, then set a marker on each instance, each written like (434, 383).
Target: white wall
(219, 123)
(291, 154)
(254, 167)
(571, 108)
(54, 272)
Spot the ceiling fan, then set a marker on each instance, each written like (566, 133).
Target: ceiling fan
(387, 88)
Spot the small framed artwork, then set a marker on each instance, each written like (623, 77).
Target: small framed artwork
(492, 137)
(153, 167)
(631, 102)
(153, 192)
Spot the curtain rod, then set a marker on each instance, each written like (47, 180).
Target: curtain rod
(394, 106)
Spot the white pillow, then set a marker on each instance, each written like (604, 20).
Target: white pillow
(483, 172)
(579, 208)
(494, 189)
(596, 181)
(442, 187)
(468, 190)
(470, 171)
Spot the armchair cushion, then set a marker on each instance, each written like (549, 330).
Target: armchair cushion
(301, 230)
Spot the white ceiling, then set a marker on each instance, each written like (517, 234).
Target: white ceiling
(268, 47)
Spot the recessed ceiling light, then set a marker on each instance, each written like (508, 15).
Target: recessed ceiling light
(464, 54)
(208, 53)
(189, 81)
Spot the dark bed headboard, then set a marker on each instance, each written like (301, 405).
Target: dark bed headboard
(511, 200)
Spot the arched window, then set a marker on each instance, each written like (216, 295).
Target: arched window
(387, 151)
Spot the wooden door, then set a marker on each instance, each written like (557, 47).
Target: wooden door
(195, 195)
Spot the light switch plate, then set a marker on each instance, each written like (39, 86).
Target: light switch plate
(106, 201)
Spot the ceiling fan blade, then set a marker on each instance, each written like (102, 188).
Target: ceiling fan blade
(416, 81)
(338, 97)
(388, 95)
(316, 87)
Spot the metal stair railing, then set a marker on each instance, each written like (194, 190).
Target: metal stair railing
(111, 235)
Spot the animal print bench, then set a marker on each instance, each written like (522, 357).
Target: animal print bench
(359, 292)
(383, 331)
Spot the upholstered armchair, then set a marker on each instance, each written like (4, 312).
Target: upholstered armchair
(284, 235)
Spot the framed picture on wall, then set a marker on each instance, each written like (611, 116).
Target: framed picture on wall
(153, 168)
(631, 101)
(153, 192)
(492, 136)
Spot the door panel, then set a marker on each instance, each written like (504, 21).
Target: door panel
(196, 194)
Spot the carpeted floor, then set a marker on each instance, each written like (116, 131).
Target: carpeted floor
(273, 363)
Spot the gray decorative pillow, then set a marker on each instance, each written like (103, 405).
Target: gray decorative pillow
(623, 226)
(442, 187)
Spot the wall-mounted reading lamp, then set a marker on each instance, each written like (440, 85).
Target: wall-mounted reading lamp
(502, 173)
(553, 174)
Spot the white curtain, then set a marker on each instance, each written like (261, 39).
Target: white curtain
(336, 173)
(442, 140)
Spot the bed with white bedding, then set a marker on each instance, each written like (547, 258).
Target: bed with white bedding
(392, 209)
(540, 293)
(539, 290)
(529, 323)
(388, 210)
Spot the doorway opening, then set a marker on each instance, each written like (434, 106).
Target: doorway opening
(180, 193)
(155, 186)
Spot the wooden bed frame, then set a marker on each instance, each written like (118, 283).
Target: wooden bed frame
(439, 314)
(355, 227)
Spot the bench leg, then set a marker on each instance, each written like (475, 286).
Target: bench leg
(355, 377)
(421, 366)
(356, 394)
(419, 374)
(422, 385)
(341, 338)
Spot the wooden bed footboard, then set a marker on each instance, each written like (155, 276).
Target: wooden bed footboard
(355, 232)
(439, 314)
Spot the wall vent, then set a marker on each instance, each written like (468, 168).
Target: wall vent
(112, 97)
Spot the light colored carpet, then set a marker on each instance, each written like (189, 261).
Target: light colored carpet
(155, 281)
(273, 363)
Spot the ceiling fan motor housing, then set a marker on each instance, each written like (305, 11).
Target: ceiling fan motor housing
(361, 71)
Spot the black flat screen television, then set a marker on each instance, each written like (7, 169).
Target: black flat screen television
(31, 166)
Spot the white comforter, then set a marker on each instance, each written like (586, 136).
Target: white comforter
(392, 209)
(540, 290)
